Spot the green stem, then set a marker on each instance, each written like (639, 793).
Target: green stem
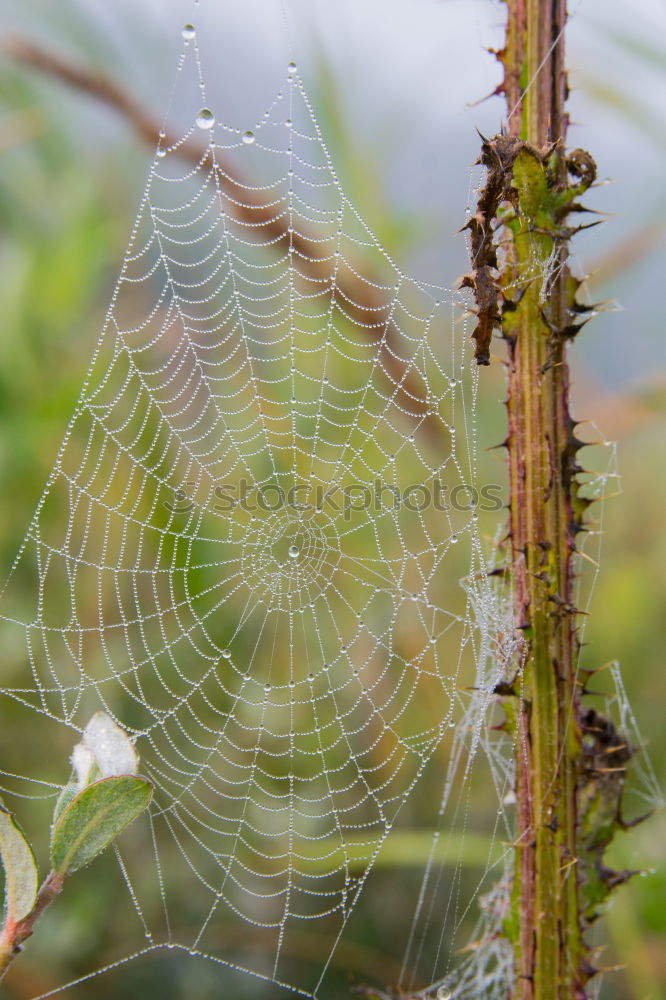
(548, 936)
(549, 944)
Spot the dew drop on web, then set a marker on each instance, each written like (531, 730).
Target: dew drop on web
(205, 119)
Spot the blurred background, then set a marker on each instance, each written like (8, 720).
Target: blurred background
(395, 88)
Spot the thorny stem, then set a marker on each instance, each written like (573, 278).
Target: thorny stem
(533, 301)
(542, 531)
(567, 808)
(14, 933)
(549, 949)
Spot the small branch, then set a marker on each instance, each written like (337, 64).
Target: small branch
(353, 289)
(15, 933)
(23, 51)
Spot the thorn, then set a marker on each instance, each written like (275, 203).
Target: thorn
(589, 969)
(584, 555)
(575, 206)
(604, 666)
(497, 92)
(587, 225)
(572, 329)
(606, 496)
(627, 824)
(595, 307)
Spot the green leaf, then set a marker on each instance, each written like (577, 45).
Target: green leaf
(66, 795)
(95, 817)
(20, 868)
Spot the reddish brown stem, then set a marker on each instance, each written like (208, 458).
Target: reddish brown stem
(14, 933)
(537, 320)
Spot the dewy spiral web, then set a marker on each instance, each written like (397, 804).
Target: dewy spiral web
(247, 550)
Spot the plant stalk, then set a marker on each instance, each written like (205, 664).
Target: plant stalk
(14, 933)
(549, 949)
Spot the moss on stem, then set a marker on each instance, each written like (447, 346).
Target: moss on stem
(567, 808)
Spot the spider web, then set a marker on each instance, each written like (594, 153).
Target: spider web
(249, 549)
(483, 754)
